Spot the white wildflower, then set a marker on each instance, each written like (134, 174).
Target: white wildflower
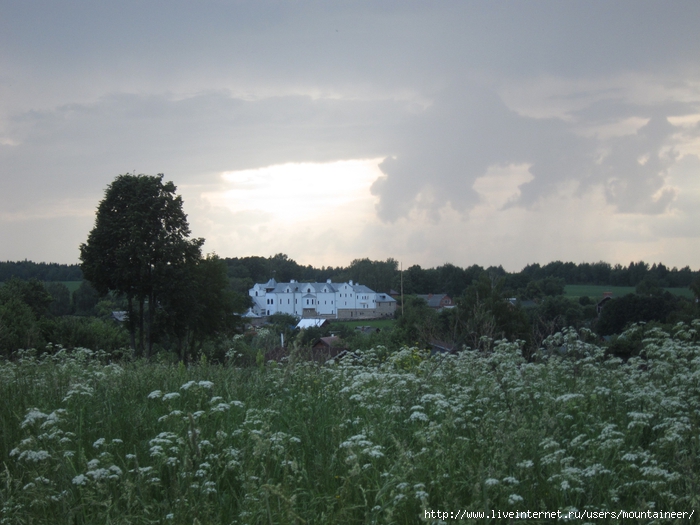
(80, 479)
(514, 499)
(418, 416)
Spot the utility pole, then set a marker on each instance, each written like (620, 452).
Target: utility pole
(401, 289)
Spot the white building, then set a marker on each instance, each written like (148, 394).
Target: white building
(325, 300)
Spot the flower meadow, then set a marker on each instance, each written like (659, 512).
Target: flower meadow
(377, 437)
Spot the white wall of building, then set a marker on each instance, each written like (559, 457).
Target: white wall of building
(325, 299)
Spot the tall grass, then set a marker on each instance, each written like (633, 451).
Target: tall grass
(376, 440)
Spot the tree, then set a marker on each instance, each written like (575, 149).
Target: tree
(484, 311)
(22, 303)
(418, 324)
(196, 303)
(141, 233)
(631, 308)
(60, 298)
(85, 299)
(32, 293)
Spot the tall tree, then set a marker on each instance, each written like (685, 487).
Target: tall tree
(197, 304)
(141, 233)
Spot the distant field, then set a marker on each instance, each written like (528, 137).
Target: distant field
(595, 291)
(72, 285)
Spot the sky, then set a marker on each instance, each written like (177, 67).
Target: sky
(490, 133)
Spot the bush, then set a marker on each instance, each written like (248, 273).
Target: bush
(91, 332)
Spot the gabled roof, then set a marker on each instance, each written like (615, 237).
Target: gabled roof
(294, 286)
(329, 342)
(250, 314)
(434, 300)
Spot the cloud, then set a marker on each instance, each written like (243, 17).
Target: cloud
(626, 149)
(573, 119)
(76, 150)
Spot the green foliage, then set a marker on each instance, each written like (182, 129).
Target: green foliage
(197, 306)
(85, 299)
(418, 324)
(18, 326)
(648, 286)
(618, 313)
(26, 270)
(32, 293)
(377, 438)
(553, 314)
(60, 299)
(22, 303)
(307, 337)
(380, 276)
(140, 238)
(484, 314)
(87, 332)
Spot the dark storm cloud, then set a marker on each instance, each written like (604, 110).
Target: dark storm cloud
(469, 129)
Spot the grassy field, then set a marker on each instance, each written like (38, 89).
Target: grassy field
(72, 285)
(380, 439)
(595, 292)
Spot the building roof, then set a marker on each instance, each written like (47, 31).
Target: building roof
(250, 314)
(434, 300)
(331, 341)
(294, 286)
(309, 323)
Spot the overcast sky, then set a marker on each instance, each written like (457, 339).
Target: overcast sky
(466, 132)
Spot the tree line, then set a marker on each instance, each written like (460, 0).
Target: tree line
(383, 276)
(533, 281)
(40, 271)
